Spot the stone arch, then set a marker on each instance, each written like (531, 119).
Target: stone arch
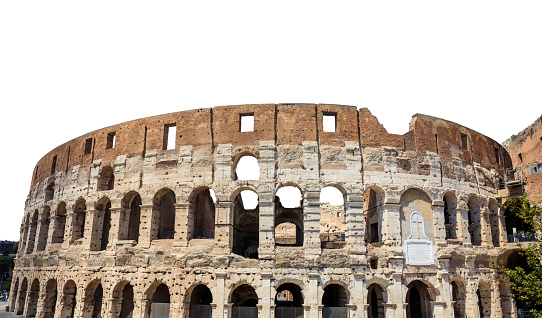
(418, 300)
(245, 227)
(31, 240)
(158, 300)
(50, 190)
(375, 301)
(474, 217)
(43, 225)
(373, 198)
(106, 179)
(79, 219)
(245, 166)
(416, 200)
(516, 229)
(69, 299)
(200, 300)
(483, 294)
(332, 216)
(60, 223)
(32, 299)
(450, 215)
(458, 298)
(494, 221)
(244, 300)
(131, 204)
(101, 241)
(201, 214)
(122, 304)
(296, 299)
(336, 294)
(51, 297)
(288, 223)
(93, 301)
(165, 212)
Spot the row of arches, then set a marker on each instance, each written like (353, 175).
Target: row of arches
(196, 219)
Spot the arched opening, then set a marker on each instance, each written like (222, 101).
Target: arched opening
(14, 295)
(122, 304)
(373, 199)
(516, 229)
(515, 261)
(33, 296)
(450, 215)
(245, 226)
(129, 229)
(21, 299)
(79, 219)
(288, 301)
(60, 224)
(32, 233)
(375, 300)
(43, 230)
(418, 302)
(104, 206)
(288, 217)
(244, 300)
(474, 221)
(202, 212)
(458, 298)
(69, 299)
(332, 218)
(200, 302)
(164, 210)
(106, 180)
(246, 168)
(50, 191)
(494, 222)
(335, 301)
(484, 300)
(415, 206)
(51, 295)
(160, 301)
(93, 300)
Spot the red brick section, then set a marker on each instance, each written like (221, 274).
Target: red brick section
(287, 124)
(528, 143)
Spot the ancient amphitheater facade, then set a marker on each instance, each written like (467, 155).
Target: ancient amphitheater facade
(122, 223)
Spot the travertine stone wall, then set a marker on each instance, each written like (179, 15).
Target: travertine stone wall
(129, 242)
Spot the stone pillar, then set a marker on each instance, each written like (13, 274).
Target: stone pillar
(438, 226)
(22, 241)
(462, 225)
(391, 222)
(503, 238)
(471, 299)
(355, 224)
(119, 222)
(94, 228)
(53, 225)
(396, 306)
(223, 307)
(182, 211)
(265, 294)
(311, 225)
(223, 227)
(146, 227)
(311, 296)
(266, 197)
(30, 237)
(42, 232)
(485, 226)
(359, 297)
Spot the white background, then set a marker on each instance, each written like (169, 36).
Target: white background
(71, 67)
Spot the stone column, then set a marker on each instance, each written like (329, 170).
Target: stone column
(438, 226)
(223, 307)
(311, 296)
(391, 222)
(93, 230)
(53, 225)
(265, 294)
(146, 227)
(119, 222)
(471, 299)
(355, 224)
(485, 226)
(30, 237)
(358, 296)
(462, 225)
(223, 227)
(503, 237)
(311, 224)
(22, 240)
(396, 300)
(182, 211)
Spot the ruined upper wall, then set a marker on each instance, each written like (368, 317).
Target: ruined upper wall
(286, 124)
(526, 153)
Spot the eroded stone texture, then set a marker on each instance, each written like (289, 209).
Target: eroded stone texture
(133, 229)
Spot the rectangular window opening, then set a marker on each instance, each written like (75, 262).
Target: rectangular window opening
(88, 146)
(170, 131)
(497, 157)
(110, 140)
(246, 122)
(53, 165)
(464, 142)
(330, 122)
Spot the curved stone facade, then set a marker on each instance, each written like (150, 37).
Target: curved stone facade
(117, 224)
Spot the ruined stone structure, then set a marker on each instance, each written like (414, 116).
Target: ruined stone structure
(147, 217)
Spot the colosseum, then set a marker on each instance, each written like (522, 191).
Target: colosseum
(151, 218)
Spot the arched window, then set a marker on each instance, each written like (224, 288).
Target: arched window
(484, 300)
(474, 221)
(458, 297)
(202, 214)
(164, 209)
(246, 225)
(106, 180)
(122, 304)
(51, 295)
(335, 301)
(375, 300)
(101, 243)
(22, 297)
(41, 239)
(79, 219)
(69, 299)
(246, 168)
(450, 215)
(33, 296)
(60, 224)
(418, 301)
(159, 302)
(288, 301)
(373, 199)
(129, 228)
(288, 216)
(332, 218)
(50, 191)
(32, 233)
(494, 222)
(244, 301)
(200, 302)
(416, 203)
(94, 299)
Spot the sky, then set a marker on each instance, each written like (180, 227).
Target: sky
(71, 67)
